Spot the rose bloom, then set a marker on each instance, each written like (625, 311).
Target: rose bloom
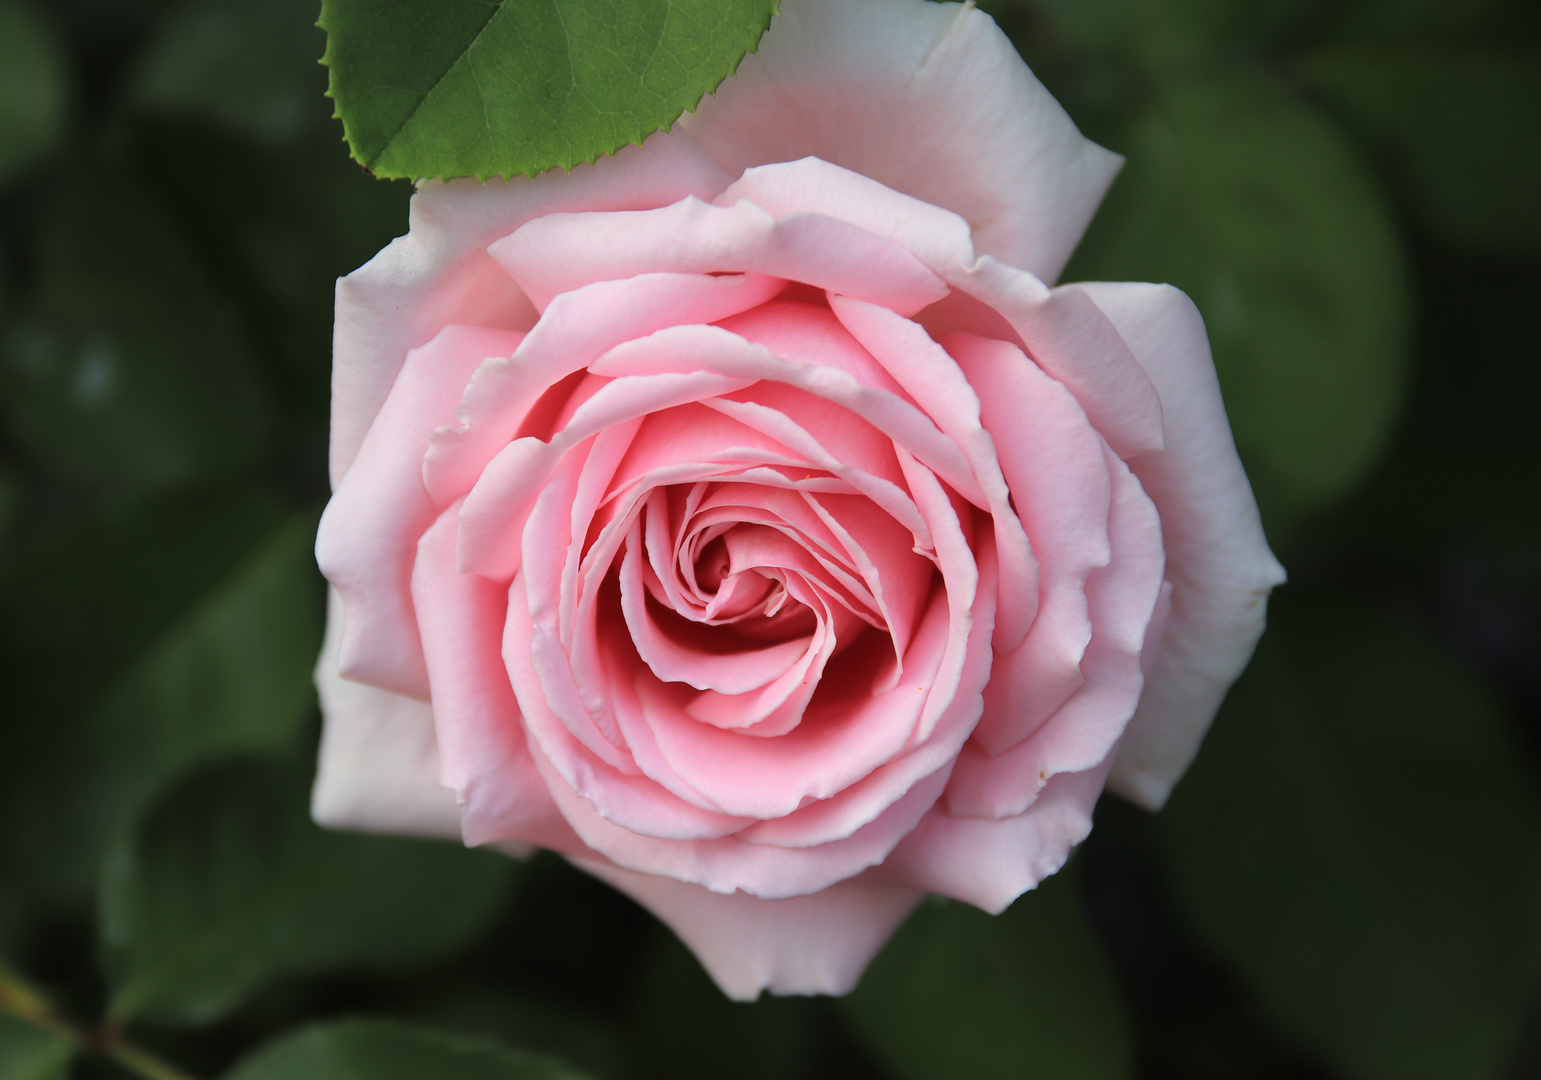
(745, 518)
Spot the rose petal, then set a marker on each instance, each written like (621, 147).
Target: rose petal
(728, 864)
(569, 767)
(930, 375)
(1069, 337)
(439, 273)
(816, 944)
(1122, 596)
(939, 238)
(894, 89)
(480, 737)
(368, 534)
(845, 734)
(576, 329)
(500, 500)
(1217, 557)
(1055, 464)
(560, 252)
(378, 769)
(989, 863)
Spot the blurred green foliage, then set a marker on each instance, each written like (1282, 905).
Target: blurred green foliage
(1346, 887)
(376, 1050)
(961, 993)
(227, 883)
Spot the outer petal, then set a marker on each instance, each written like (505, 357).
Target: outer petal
(1217, 556)
(989, 863)
(890, 88)
(368, 534)
(439, 272)
(379, 764)
(817, 944)
(485, 758)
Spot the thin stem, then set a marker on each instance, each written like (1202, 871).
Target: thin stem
(25, 1002)
(143, 1063)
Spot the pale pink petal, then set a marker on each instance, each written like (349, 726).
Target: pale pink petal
(817, 944)
(694, 434)
(734, 673)
(552, 710)
(848, 731)
(575, 330)
(808, 391)
(840, 815)
(1054, 462)
(989, 863)
(480, 736)
(368, 535)
(1217, 557)
(560, 252)
(933, 379)
(440, 273)
(929, 99)
(1123, 597)
(379, 763)
(729, 864)
(939, 238)
(1070, 338)
(501, 498)
(809, 333)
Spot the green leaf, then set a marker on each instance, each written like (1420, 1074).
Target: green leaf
(446, 88)
(1256, 206)
(32, 90)
(1359, 840)
(32, 1053)
(1018, 996)
(535, 1022)
(250, 66)
(1455, 129)
(136, 646)
(379, 1050)
(226, 884)
(124, 368)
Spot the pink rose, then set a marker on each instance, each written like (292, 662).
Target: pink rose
(744, 517)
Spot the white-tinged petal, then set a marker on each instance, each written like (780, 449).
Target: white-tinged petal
(817, 944)
(1218, 560)
(440, 271)
(379, 764)
(931, 100)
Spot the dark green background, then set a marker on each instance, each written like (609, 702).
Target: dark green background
(1346, 886)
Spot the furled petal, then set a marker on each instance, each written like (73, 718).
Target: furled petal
(933, 379)
(379, 764)
(816, 944)
(559, 252)
(1123, 597)
(939, 238)
(1055, 463)
(989, 863)
(1072, 340)
(729, 864)
(485, 758)
(439, 273)
(931, 100)
(1217, 556)
(575, 330)
(369, 532)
